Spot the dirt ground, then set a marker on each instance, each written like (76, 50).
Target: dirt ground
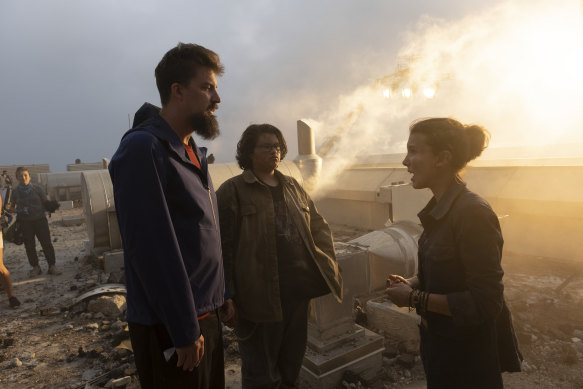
(50, 343)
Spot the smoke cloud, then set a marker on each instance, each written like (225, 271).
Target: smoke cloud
(514, 68)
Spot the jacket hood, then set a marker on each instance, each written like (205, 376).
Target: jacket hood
(147, 118)
(145, 112)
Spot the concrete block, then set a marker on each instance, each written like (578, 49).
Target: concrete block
(113, 261)
(328, 318)
(398, 325)
(73, 220)
(110, 306)
(324, 346)
(87, 245)
(362, 356)
(66, 205)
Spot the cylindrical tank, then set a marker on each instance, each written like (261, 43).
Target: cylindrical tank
(99, 207)
(392, 250)
(69, 182)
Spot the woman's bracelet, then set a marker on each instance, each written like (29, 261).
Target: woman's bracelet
(411, 299)
(419, 300)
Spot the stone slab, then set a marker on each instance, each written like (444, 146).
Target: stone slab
(72, 220)
(66, 205)
(328, 318)
(363, 356)
(324, 346)
(113, 261)
(398, 325)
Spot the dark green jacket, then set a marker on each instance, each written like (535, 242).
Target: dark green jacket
(246, 216)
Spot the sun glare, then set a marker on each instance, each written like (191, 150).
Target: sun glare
(429, 92)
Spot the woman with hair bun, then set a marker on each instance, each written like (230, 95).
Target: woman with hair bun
(467, 338)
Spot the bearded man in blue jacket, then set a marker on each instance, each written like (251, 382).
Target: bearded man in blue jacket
(167, 214)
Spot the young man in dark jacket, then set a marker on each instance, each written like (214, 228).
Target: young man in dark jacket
(29, 200)
(167, 213)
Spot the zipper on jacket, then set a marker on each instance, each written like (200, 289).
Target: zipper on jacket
(212, 207)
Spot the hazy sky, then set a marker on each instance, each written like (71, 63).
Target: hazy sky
(72, 70)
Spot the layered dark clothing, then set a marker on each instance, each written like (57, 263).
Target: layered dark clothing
(460, 254)
(278, 253)
(30, 213)
(29, 202)
(250, 250)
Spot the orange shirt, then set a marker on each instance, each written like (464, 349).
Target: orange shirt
(192, 155)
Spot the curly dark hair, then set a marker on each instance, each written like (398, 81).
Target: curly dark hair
(248, 142)
(179, 65)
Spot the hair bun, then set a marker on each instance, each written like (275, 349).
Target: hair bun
(478, 139)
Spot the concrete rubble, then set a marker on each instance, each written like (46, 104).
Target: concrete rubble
(56, 341)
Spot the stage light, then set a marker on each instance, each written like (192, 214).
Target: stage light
(407, 92)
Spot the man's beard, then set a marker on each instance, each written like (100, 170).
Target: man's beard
(205, 125)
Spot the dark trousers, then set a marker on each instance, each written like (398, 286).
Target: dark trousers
(40, 229)
(460, 363)
(155, 373)
(272, 353)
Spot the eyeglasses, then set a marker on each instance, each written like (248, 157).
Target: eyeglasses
(268, 147)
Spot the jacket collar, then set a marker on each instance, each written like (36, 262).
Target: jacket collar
(438, 209)
(250, 178)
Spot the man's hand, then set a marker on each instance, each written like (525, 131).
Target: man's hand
(189, 357)
(228, 313)
(398, 293)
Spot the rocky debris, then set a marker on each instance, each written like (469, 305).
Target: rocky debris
(92, 326)
(360, 316)
(6, 341)
(109, 306)
(406, 360)
(119, 382)
(351, 380)
(56, 349)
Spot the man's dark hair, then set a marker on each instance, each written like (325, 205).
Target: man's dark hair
(179, 65)
(248, 142)
(21, 169)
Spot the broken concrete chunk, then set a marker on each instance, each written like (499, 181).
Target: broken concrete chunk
(406, 360)
(119, 382)
(109, 306)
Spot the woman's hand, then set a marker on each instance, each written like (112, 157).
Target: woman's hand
(395, 279)
(398, 292)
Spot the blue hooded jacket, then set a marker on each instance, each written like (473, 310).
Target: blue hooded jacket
(167, 214)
